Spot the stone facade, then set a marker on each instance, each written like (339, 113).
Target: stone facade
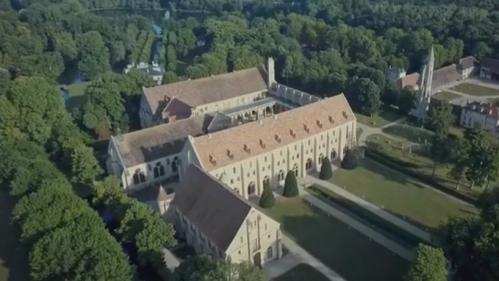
(481, 116)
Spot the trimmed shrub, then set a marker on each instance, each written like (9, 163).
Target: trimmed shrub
(290, 185)
(267, 200)
(351, 159)
(326, 170)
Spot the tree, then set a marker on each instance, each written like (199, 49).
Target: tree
(482, 161)
(406, 100)
(365, 95)
(290, 185)
(204, 268)
(351, 159)
(84, 166)
(430, 264)
(441, 119)
(267, 200)
(171, 58)
(326, 170)
(80, 250)
(94, 56)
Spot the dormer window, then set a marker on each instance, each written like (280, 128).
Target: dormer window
(262, 144)
(306, 128)
(230, 154)
(213, 160)
(246, 148)
(292, 133)
(277, 138)
(319, 123)
(331, 120)
(345, 114)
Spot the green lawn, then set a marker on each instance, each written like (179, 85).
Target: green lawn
(445, 96)
(409, 133)
(76, 94)
(302, 272)
(13, 257)
(402, 154)
(346, 251)
(476, 90)
(383, 118)
(401, 195)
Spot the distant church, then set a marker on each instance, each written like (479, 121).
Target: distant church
(422, 103)
(430, 81)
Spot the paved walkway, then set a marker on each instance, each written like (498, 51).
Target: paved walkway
(368, 131)
(357, 225)
(423, 235)
(278, 267)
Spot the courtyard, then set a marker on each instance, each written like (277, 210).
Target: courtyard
(401, 195)
(345, 250)
(385, 117)
(476, 90)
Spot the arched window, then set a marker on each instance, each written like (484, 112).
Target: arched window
(321, 158)
(333, 154)
(266, 180)
(175, 164)
(308, 164)
(280, 176)
(159, 170)
(138, 177)
(251, 188)
(270, 253)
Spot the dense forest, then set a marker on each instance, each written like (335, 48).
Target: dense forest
(321, 46)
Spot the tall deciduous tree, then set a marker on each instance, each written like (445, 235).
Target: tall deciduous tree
(430, 264)
(365, 95)
(94, 55)
(441, 121)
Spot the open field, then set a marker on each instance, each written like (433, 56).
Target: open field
(383, 118)
(476, 90)
(13, 257)
(409, 133)
(445, 96)
(401, 195)
(346, 251)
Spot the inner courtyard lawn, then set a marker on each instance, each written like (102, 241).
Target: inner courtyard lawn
(302, 272)
(401, 195)
(445, 96)
(346, 251)
(386, 116)
(476, 90)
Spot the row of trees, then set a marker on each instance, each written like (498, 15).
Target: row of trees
(58, 227)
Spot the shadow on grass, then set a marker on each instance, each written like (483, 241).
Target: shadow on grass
(348, 252)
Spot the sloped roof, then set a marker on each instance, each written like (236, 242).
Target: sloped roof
(467, 62)
(178, 108)
(246, 140)
(210, 89)
(159, 141)
(483, 108)
(491, 64)
(445, 75)
(216, 210)
(410, 80)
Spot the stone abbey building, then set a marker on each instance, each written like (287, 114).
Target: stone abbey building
(229, 135)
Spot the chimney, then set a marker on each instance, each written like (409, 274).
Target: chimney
(270, 72)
